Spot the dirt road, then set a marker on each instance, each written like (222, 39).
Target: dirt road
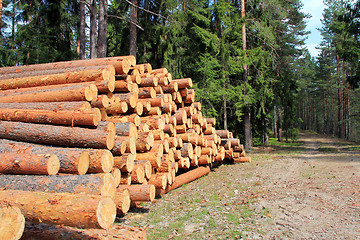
(311, 191)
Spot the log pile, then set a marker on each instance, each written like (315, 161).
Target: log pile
(94, 135)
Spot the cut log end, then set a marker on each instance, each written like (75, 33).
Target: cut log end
(83, 164)
(106, 212)
(53, 165)
(108, 188)
(107, 161)
(12, 223)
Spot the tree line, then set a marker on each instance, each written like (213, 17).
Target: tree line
(247, 58)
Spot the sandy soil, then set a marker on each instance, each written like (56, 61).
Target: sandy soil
(311, 191)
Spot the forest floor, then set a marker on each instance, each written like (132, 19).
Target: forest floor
(304, 190)
(307, 191)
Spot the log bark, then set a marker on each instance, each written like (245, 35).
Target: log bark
(138, 174)
(242, 159)
(60, 117)
(122, 200)
(101, 74)
(158, 180)
(39, 164)
(130, 98)
(116, 173)
(72, 160)
(140, 193)
(121, 66)
(102, 101)
(51, 106)
(125, 162)
(95, 184)
(78, 210)
(56, 135)
(12, 223)
(188, 177)
(153, 157)
(100, 161)
(59, 94)
(134, 118)
(147, 92)
(184, 83)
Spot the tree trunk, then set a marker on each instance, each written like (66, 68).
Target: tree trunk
(1, 9)
(133, 29)
(247, 118)
(12, 222)
(102, 35)
(93, 29)
(82, 34)
(340, 100)
(77, 210)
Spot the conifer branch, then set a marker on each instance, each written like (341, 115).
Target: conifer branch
(145, 10)
(127, 20)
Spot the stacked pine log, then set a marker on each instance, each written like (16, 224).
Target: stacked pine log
(80, 140)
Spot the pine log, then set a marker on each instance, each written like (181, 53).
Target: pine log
(123, 86)
(153, 157)
(59, 94)
(51, 106)
(96, 184)
(124, 144)
(151, 81)
(106, 126)
(190, 98)
(147, 92)
(140, 193)
(116, 108)
(125, 162)
(12, 223)
(188, 177)
(242, 159)
(187, 150)
(171, 87)
(100, 161)
(138, 174)
(116, 173)
(125, 179)
(239, 148)
(140, 68)
(197, 105)
(56, 135)
(79, 210)
(223, 133)
(159, 70)
(204, 160)
(61, 117)
(159, 180)
(130, 98)
(134, 118)
(184, 163)
(122, 200)
(147, 67)
(137, 110)
(101, 74)
(130, 143)
(121, 65)
(184, 83)
(146, 165)
(42, 164)
(181, 117)
(102, 101)
(72, 160)
(126, 129)
(155, 102)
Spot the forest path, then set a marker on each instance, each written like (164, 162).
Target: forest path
(308, 191)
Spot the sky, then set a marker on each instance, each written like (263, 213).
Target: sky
(315, 9)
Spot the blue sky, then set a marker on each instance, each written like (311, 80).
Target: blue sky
(315, 9)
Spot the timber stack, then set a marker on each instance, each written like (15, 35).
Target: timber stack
(82, 141)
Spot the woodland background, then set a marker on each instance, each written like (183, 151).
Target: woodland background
(247, 58)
